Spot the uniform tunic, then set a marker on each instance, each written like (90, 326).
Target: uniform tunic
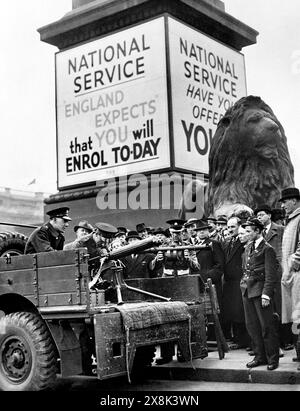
(44, 239)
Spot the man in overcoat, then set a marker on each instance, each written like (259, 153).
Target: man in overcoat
(210, 258)
(290, 282)
(233, 317)
(273, 234)
(258, 286)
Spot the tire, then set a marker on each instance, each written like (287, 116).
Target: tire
(27, 353)
(12, 243)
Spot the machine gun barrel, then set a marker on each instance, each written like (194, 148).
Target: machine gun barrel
(129, 249)
(177, 248)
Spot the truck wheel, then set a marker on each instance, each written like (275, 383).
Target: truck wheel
(12, 243)
(27, 353)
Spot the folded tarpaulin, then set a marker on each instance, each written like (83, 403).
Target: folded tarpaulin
(144, 315)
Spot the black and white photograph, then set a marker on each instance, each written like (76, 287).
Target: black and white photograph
(149, 199)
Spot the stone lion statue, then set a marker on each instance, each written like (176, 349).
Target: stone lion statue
(249, 161)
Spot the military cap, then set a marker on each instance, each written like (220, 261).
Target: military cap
(201, 225)
(253, 222)
(133, 234)
(290, 193)
(140, 227)
(106, 230)
(263, 207)
(176, 224)
(62, 212)
(84, 224)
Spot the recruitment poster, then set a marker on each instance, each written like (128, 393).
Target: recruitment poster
(207, 79)
(112, 112)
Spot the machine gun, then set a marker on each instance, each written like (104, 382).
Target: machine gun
(117, 267)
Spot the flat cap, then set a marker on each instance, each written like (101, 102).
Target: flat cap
(107, 230)
(84, 224)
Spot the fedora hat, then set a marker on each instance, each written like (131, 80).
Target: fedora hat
(263, 207)
(133, 234)
(201, 225)
(290, 193)
(84, 224)
(106, 230)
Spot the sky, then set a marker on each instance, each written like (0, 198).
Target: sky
(27, 98)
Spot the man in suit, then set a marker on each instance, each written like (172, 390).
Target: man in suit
(233, 318)
(258, 287)
(49, 237)
(273, 234)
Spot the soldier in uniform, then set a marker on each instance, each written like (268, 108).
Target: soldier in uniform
(103, 236)
(258, 286)
(49, 237)
(179, 262)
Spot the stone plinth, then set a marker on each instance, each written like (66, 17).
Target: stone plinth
(91, 19)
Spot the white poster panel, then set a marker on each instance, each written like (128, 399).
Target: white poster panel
(112, 108)
(207, 79)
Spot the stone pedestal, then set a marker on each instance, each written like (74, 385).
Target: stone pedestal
(91, 20)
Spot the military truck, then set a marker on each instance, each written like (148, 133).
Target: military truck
(53, 322)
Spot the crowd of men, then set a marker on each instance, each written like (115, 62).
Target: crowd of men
(253, 260)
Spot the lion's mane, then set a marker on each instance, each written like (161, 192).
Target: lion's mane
(249, 161)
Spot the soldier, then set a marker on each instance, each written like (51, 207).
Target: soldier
(103, 236)
(49, 237)
(179, 262)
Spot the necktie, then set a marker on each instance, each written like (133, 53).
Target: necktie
(264, 233)
(252, 248)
